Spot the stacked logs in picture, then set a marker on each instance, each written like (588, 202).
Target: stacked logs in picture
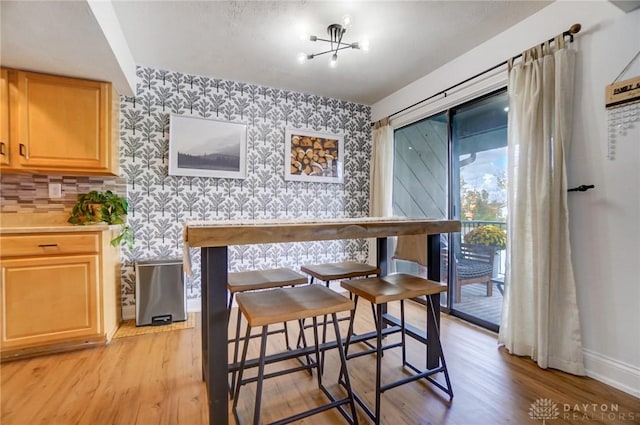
(314, 156)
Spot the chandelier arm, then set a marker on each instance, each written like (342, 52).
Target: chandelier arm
(329, 41)
(332, 51)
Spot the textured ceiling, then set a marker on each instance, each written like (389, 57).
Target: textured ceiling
(258, 41)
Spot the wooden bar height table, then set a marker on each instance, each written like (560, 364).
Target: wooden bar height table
(214, 238)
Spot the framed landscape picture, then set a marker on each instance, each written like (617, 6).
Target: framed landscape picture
(207, 148)
(313, 157)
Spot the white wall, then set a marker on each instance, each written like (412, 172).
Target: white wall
(605, 222)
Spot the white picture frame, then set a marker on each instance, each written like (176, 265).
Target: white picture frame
(207, 148)
(311, 156)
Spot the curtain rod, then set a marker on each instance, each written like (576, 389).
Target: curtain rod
(575, 28)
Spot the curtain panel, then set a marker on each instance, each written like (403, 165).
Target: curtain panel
(381, 179)
(540, 315)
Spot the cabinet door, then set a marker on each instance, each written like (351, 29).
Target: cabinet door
(62, 124)
(4, 117)
(48, 299)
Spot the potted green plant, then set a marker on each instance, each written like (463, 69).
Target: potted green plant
(107, 207)
(489, 235)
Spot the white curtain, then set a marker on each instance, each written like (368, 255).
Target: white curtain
(381, 170)
(381, 182)
(540, 314)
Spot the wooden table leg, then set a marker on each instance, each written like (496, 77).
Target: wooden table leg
(214, 264)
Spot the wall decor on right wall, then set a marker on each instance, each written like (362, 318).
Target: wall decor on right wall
(313, 157)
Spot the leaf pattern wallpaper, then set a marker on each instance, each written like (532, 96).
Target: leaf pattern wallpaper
(159, 204)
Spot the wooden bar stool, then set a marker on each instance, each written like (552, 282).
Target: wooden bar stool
(379, 291)
(338, 271)
(327, 272)
(253, 281)
(261, 279)
(265, 308)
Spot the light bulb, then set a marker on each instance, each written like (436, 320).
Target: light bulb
(302, 58)
(506, 109)
(346, 21)
(364, 45)
(334, 60)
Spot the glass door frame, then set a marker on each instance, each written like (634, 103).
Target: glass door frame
(453, 214)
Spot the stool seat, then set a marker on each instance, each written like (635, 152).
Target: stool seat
(395, 287)
(263, 279)
(344, 270)
(286, 304)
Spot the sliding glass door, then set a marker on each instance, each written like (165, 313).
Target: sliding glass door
(420, 183)
(453, 165)
(478, 195)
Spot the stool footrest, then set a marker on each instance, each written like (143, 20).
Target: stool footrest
(277, 331)
(280, 373)
(299, 352)
(373, 350)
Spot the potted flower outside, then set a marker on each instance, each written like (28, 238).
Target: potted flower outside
(107, 207)
(489, 235)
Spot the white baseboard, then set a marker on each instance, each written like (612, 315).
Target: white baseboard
(129, 311)
(620, 375)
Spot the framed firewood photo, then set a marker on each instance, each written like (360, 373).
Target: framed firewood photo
(313, 157)
(207, 148)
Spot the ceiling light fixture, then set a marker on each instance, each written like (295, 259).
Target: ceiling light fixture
(336, 32)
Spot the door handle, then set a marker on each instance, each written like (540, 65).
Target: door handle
(23, 150)
(2, 152)
(48, 245)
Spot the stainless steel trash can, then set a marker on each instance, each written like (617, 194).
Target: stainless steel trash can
(160, 292)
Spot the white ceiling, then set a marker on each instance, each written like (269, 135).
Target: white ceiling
(257, 41)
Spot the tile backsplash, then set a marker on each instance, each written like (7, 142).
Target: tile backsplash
(29, 193)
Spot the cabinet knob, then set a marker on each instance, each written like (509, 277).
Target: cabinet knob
(23, 150)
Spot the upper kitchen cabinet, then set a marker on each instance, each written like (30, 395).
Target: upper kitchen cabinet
(60, 125)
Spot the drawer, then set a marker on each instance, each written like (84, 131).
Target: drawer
(49, 244)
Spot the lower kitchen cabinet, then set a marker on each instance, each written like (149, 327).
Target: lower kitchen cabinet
(58, 291)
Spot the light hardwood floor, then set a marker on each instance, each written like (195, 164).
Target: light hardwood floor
(156, 379)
